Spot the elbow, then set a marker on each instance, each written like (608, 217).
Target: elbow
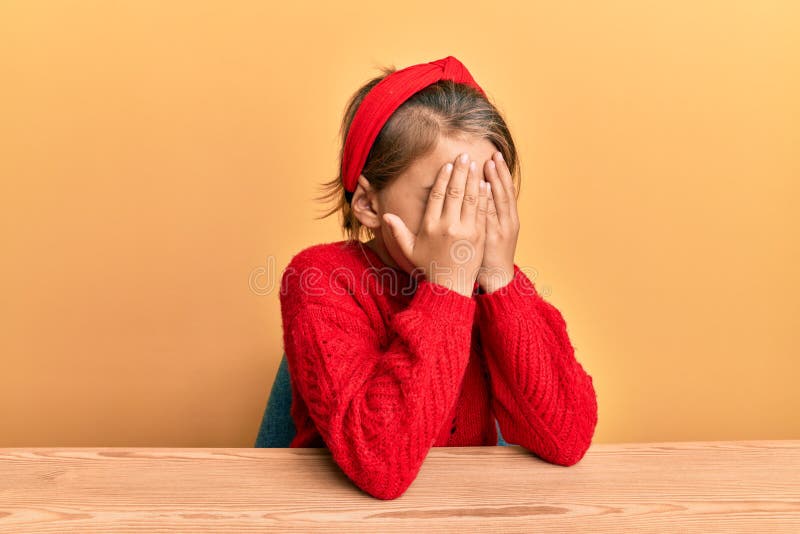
(388, 492)
(566, 453)
(384, 486)
(383, 477)
(567, 447)
(576, 449)
(382, 461)
(570, 456)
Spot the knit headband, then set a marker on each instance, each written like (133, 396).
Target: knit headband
(383, 99)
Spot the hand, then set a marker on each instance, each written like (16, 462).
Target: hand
(502, 227)
(449, 246)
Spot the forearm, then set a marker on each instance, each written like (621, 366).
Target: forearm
(380, 411)
(543, 398)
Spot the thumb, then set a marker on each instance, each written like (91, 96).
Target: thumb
(403, 236)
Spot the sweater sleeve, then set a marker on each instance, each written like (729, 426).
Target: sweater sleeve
(542, 398)
(379, 407)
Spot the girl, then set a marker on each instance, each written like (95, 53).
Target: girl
(427, 333)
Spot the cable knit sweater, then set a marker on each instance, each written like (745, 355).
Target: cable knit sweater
(384, 367)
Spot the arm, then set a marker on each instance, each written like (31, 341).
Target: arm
(378, 409)
(542, 397)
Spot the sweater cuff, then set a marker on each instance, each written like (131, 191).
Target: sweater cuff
(518, 294)
(441, 302)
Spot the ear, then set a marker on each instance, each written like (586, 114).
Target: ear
(366, 204)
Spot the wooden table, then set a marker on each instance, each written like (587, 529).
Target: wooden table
(722, 486)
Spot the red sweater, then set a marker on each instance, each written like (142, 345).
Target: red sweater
(383, 368)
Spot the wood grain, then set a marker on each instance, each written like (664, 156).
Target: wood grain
(723, 486)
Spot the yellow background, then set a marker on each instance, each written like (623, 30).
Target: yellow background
(159, 162)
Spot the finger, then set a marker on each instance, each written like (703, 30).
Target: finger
(405, 239)
(491, 207)
(455, 190)
(508, 182)
(469, 204)
(499, 192)
(433, 209)
(483, 205)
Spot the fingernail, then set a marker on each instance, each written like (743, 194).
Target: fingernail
(500, 156)
(464, 157)
(448, 167)
(472, 165)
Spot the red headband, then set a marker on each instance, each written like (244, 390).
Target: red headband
(383, 99)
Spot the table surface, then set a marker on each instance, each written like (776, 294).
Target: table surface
(714, 486)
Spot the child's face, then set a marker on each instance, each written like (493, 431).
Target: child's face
(407, 195)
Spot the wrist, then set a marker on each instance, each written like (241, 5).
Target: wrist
(457, 286)
(495, 280)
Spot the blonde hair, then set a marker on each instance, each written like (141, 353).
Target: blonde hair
(445, 108)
